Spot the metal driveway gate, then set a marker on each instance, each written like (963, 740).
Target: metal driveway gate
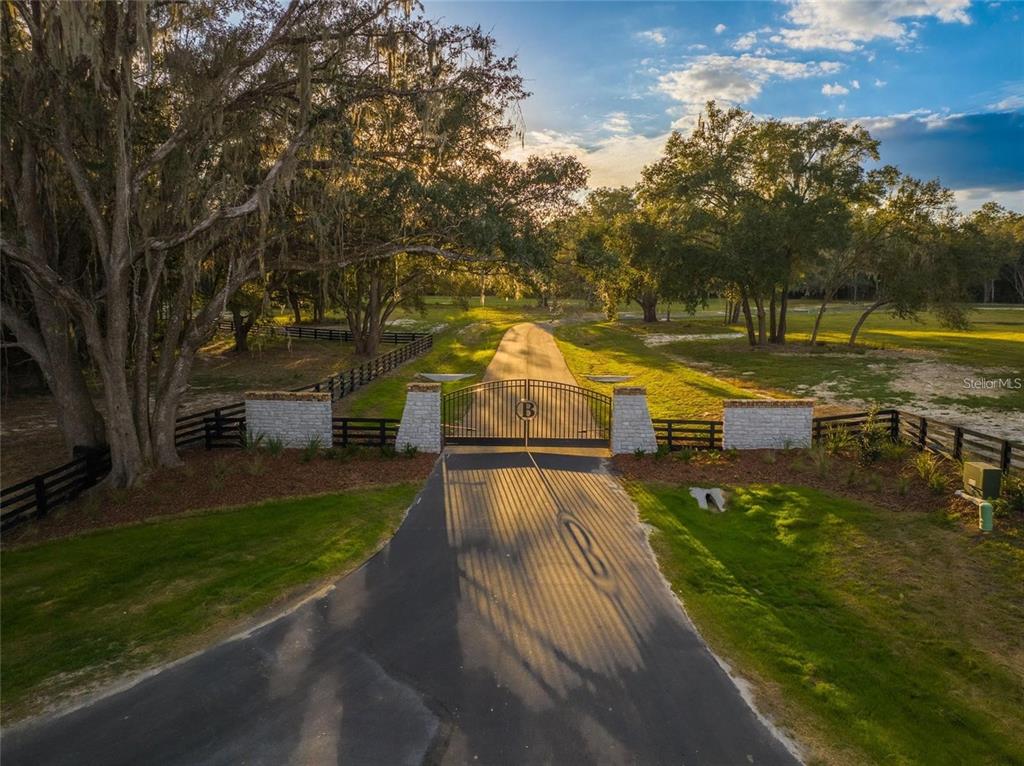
(536, 413)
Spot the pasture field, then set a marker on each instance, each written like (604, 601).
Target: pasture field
(465, 340)
(918, 365)
(875, 636)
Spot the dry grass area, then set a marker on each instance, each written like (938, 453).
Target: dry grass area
(224, 478)
(31, 443)
(271, 362)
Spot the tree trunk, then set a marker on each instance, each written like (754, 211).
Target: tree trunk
(821, 312)
(296, 304)
(761, 330)
(748, 319)
(780, 336)
(863, 319)
(242, 325)
(772, 325)
(648, 301)
(735, 318)
(54, 350)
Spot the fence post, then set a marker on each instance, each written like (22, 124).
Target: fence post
(383, 442)
(344, 433)
(40, 487)
(958, 442)
(207, 433)
(711, 435)
(1006, 456)
(922, 437)
(894, 426)
(669, 435)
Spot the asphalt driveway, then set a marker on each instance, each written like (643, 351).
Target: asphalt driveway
(517, 617)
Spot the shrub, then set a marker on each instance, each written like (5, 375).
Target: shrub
(312, 448)
(930, 469)
(872, 439)
(820, 460)
(274, 446)
(902, 486)
(769, 457)
(838, 440)
(894, 450)
(638, 453)
(685, 454)
(1011, 497)
(251, 441)
(389, 451)
(410, 450)
(662, 451)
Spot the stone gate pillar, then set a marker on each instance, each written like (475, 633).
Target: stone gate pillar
(632, 428)
(767, 423)
(421, 418)
(294, 417)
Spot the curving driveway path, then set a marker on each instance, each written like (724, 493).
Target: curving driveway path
(517, 617)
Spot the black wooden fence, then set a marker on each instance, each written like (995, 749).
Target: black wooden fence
(688, 434)
(322, 333)
(364, 432)
(933, 435)
(924, 433)
(213, 428)
(348, 381)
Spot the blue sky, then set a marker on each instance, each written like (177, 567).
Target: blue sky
(939, 82)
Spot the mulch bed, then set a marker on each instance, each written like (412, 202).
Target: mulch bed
(875, 484)
(218, 479)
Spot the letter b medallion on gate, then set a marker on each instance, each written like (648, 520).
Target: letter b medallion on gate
(526, 409)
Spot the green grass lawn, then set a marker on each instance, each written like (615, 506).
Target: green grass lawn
(84, 610)
(892, 356)
(673, 388)
(467, 344)
(877, 637)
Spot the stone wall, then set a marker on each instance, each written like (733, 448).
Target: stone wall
(632, 429)
(295, 418)
(421, 418)
(767, 423)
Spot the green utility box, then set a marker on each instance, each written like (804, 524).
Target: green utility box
(982, 480)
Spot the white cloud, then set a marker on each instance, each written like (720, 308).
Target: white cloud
(697, 47)
(733, 79)
(613, 161)
(880, 83)
(969, 200)
(846, 26)
(745, 41)
(719, 28)
(1008, 104)
(835, 89)
(617, 122)
(655, 36)
(855, 84)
